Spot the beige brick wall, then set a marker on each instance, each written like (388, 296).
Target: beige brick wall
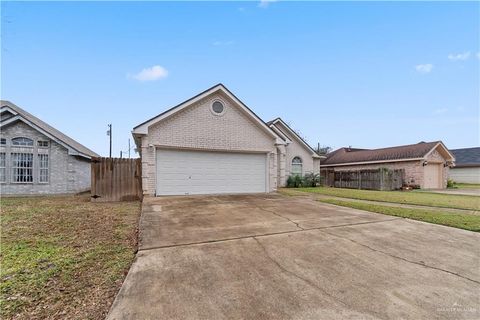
(197, 127)
(296, 149)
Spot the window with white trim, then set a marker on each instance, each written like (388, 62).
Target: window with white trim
(3, 141)
(296, 166)
(43, 168)
(22, 141)
(22, 167)
(3, 167)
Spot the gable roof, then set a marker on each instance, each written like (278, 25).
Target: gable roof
(419, 151)
(142, 128)
(467, 157)
(272, 124)
(18, 114)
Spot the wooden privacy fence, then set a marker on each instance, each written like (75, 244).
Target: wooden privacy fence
(115, 179)
(370, 179)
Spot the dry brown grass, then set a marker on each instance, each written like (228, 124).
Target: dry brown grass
(64, 257)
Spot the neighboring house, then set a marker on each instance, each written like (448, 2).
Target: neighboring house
(36, 158)
(467, 165)
(426, 164)
(213, 143)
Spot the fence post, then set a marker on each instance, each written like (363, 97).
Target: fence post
(381, 178)
(359, 179)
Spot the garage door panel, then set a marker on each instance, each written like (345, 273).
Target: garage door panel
(433, 176)
(182, 172)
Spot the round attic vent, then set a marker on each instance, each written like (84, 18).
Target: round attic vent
(218, 108)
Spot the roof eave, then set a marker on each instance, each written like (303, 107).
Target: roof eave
(71, 150)
(371, 162)
(303, 142)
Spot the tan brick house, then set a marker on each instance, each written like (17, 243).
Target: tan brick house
(426, 164)
(213, 143)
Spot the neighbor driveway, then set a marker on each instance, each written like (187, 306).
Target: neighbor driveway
(280, 257)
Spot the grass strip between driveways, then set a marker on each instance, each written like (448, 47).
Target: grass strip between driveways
(64, 257)
(457, 220)
(403, 197)
(467, 186)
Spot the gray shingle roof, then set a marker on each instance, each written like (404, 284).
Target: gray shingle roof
(467, 157)
(81, 149)
(350, 155)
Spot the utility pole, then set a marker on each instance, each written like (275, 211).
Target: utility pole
(121, 154)
(128, 148)
(109, 133)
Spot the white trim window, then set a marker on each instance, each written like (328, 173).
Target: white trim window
(22, 167)
(3, 167)
(43, 168)
(296, 166)
(22, 142)
(3, 141)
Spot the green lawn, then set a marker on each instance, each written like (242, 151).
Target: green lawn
(405, 197)
(467, 186)
(64, 257)
(457, 220)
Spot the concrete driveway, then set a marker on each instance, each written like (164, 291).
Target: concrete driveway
(278, 257)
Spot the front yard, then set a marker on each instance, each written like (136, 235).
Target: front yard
(64, 257)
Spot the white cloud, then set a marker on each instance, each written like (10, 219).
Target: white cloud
(459, 56)
(440, 110)
(151, 74)
(424, 68)
(265, 3)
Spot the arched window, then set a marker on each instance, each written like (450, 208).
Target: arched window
(296, 166)
(21, 141)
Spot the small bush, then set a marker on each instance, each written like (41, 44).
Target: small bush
(297, 181)
(309, 180)
(290, 182)
(451, 184)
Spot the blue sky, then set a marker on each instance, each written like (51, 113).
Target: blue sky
(361, 74)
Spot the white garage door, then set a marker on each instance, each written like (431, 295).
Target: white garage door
(196, 172)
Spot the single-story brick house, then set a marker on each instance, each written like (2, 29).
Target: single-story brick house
(213, 143)
(36, 158)
(426, 164)
(467, 165)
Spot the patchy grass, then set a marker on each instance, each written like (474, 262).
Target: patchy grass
(457, 220)
(404, 197)
(64, 257)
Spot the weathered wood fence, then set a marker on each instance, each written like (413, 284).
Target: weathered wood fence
(369, 179)
(115, 179)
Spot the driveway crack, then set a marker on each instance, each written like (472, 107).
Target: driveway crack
(279, 215)
(401, 258)
(310, 283)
